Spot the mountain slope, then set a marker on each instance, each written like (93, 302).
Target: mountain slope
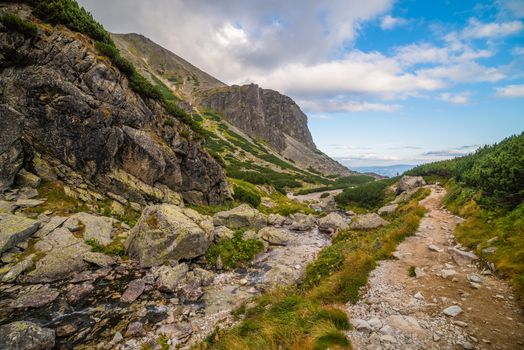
(264, 115)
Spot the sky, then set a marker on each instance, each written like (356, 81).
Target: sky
(383, 82)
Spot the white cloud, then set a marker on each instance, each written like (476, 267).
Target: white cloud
(479, 30)
(518, 51)
(390, 22)
(511, 91)
(340, 105)
(468, 72)
(462, 98)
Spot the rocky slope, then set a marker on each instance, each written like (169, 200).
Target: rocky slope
(65, 105)
(263, 114)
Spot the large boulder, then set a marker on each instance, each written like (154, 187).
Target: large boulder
(332, 223)
(274, 236)
(302, 222)
(388, 209)
(167, 232)
(276, 220)
(24, 335)
(15, 229)
(168, 278)
(243, 216)
(98, 228)
(368, 221)
(409, 182)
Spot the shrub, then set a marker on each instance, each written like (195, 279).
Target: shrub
(244, 195)
(13, 22)
(235, 251)
(324, 195)
(369, 195)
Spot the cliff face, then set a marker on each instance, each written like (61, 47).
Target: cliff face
(262, 113)
(61, 100)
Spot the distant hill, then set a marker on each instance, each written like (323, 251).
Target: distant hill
(389, 170)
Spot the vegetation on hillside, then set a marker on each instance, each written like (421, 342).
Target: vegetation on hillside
(15, 23)
(308, 316)
(487, 188)
(76, 18)
(370, 195)
(339, 183)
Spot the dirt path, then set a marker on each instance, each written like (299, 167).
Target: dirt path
(403, 312)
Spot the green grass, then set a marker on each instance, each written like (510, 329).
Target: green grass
(370, 195)
(234, 252)
(245, 195)
(15, 23)
(411, 271)
(339, 183)
(116, 247)
(311, 315)
(56, 200)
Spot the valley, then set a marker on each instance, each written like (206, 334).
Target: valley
(147, 205)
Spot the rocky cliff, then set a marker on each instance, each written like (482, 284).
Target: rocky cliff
(64, 104)
(263, 114)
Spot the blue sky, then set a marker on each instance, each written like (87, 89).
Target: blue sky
(383, 82)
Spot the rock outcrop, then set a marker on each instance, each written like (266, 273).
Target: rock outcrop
(167, 232)
(332, 223)
(409, 183)
(15, 229)
(74, 109)
(23, 335)
(243, 216)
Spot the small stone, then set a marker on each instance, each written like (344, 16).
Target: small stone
(419, 296)
(388, 338)
(434, 248)
(117, 338)
(474, 278)
(489, 250)
(133, 291)
(419, 272)
(79, 292)
(446, 273)
(453, 311)
(135, 329)
(243, 281)
(460, 323)
(375, 323)
(66, 330)
(436, 337)
(468, 346)
(99, 259)
(361, 325)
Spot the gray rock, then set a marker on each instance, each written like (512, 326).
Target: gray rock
(489, 250)
(51, 225)
(276, 220)
(25, 178)
(18, 269)
(35, 298)
(15, 229)
(167, 232)
(368, 221)
(98, 228)
(204, 277)
(332, 223)
(28, 203)
(99, 259)
(134, 289)
(435, 248)
(11, 150)
(361, 325)
(388, 209)
(274, 236)
(79, 292)
(168, 278)
(222, 232)
(135, 329)
(406, 324)
(7, 207)
(243, 216)
(462, 257)
(24, 335)
(409, 182)
(446, 273)
(302, 222)
(66, 330)
(475, 278)
(452, 311)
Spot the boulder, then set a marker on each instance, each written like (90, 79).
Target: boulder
(24, 335)
(404, 196)
(51, 225)
(168, 278)
(274, 236)
(35, 298)
(368, 221)
(18, 269)
(79, 292)
(409, 182)
(99, 259)
(98, 228)
(167, 232)
(276, 220)
(7, 207)
(332, 223)
(243, 216)
(302, 222)
(134, 289)
(462, 257)
(452, 311)
(25, 178)
(222, 232)
(15, 229)
(388, 209)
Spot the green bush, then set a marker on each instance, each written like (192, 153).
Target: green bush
(324, 195)
(234, 252)
(369, 195)
(13, 22)
(244, 195)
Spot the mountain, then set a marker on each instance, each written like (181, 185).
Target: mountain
(264, 115)
(388, 170)
(65, 107)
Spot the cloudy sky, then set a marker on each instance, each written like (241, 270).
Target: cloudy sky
(383, 82)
